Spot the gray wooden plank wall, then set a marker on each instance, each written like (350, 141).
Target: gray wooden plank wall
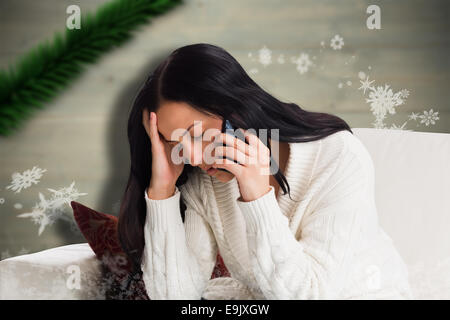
(81, 137)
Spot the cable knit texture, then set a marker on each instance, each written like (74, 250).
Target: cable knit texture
(324, 243)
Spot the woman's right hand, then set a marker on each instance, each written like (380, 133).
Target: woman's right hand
(164, 172)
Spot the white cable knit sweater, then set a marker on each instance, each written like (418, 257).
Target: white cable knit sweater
(328, 245)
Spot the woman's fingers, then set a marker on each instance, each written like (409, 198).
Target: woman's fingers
(254, 141)
(153, 127)
(149, 121)
(146, 121)
(233, 154)
(231, 166)
(236, 143)
(154, 135)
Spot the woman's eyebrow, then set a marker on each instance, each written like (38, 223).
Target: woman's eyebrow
(187, 130)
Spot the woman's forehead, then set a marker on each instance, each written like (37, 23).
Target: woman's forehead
(178, 116)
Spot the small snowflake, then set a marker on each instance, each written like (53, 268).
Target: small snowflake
(2, 200)
(413, 116)
(24, 180)
(337, 42)
(365, 84)
(404, 93)
(429, 117)
(303, 63)
(340, 85)
(253, 71)
(265, 56)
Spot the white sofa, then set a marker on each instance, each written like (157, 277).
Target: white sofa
(412, 193)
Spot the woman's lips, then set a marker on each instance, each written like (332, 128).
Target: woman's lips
(211, 171)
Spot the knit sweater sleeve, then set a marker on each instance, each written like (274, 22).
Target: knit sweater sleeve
(178, 259)
(316, 265)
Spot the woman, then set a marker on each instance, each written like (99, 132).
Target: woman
(319, 239)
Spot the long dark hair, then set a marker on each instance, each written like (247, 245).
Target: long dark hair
(210, 80)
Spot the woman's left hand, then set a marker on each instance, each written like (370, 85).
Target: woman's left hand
(253, 170)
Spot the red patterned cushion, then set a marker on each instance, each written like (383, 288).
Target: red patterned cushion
(100, 231)
(220, 270)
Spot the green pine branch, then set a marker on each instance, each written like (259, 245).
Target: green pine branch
(48, 68)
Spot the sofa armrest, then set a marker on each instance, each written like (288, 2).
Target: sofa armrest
(65, 272)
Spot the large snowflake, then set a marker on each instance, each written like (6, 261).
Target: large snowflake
(47, 211)
(26, 179)
(382, 100)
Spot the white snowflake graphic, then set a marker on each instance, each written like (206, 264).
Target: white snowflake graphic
(365, 84)
(429, 117)
(303, 62)
(337, 42)
(265, 56)
(24, 180)
(2, 200)
(280, 59)
(383, 100)
(413, 116)
(404, 93)
(47, 211)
